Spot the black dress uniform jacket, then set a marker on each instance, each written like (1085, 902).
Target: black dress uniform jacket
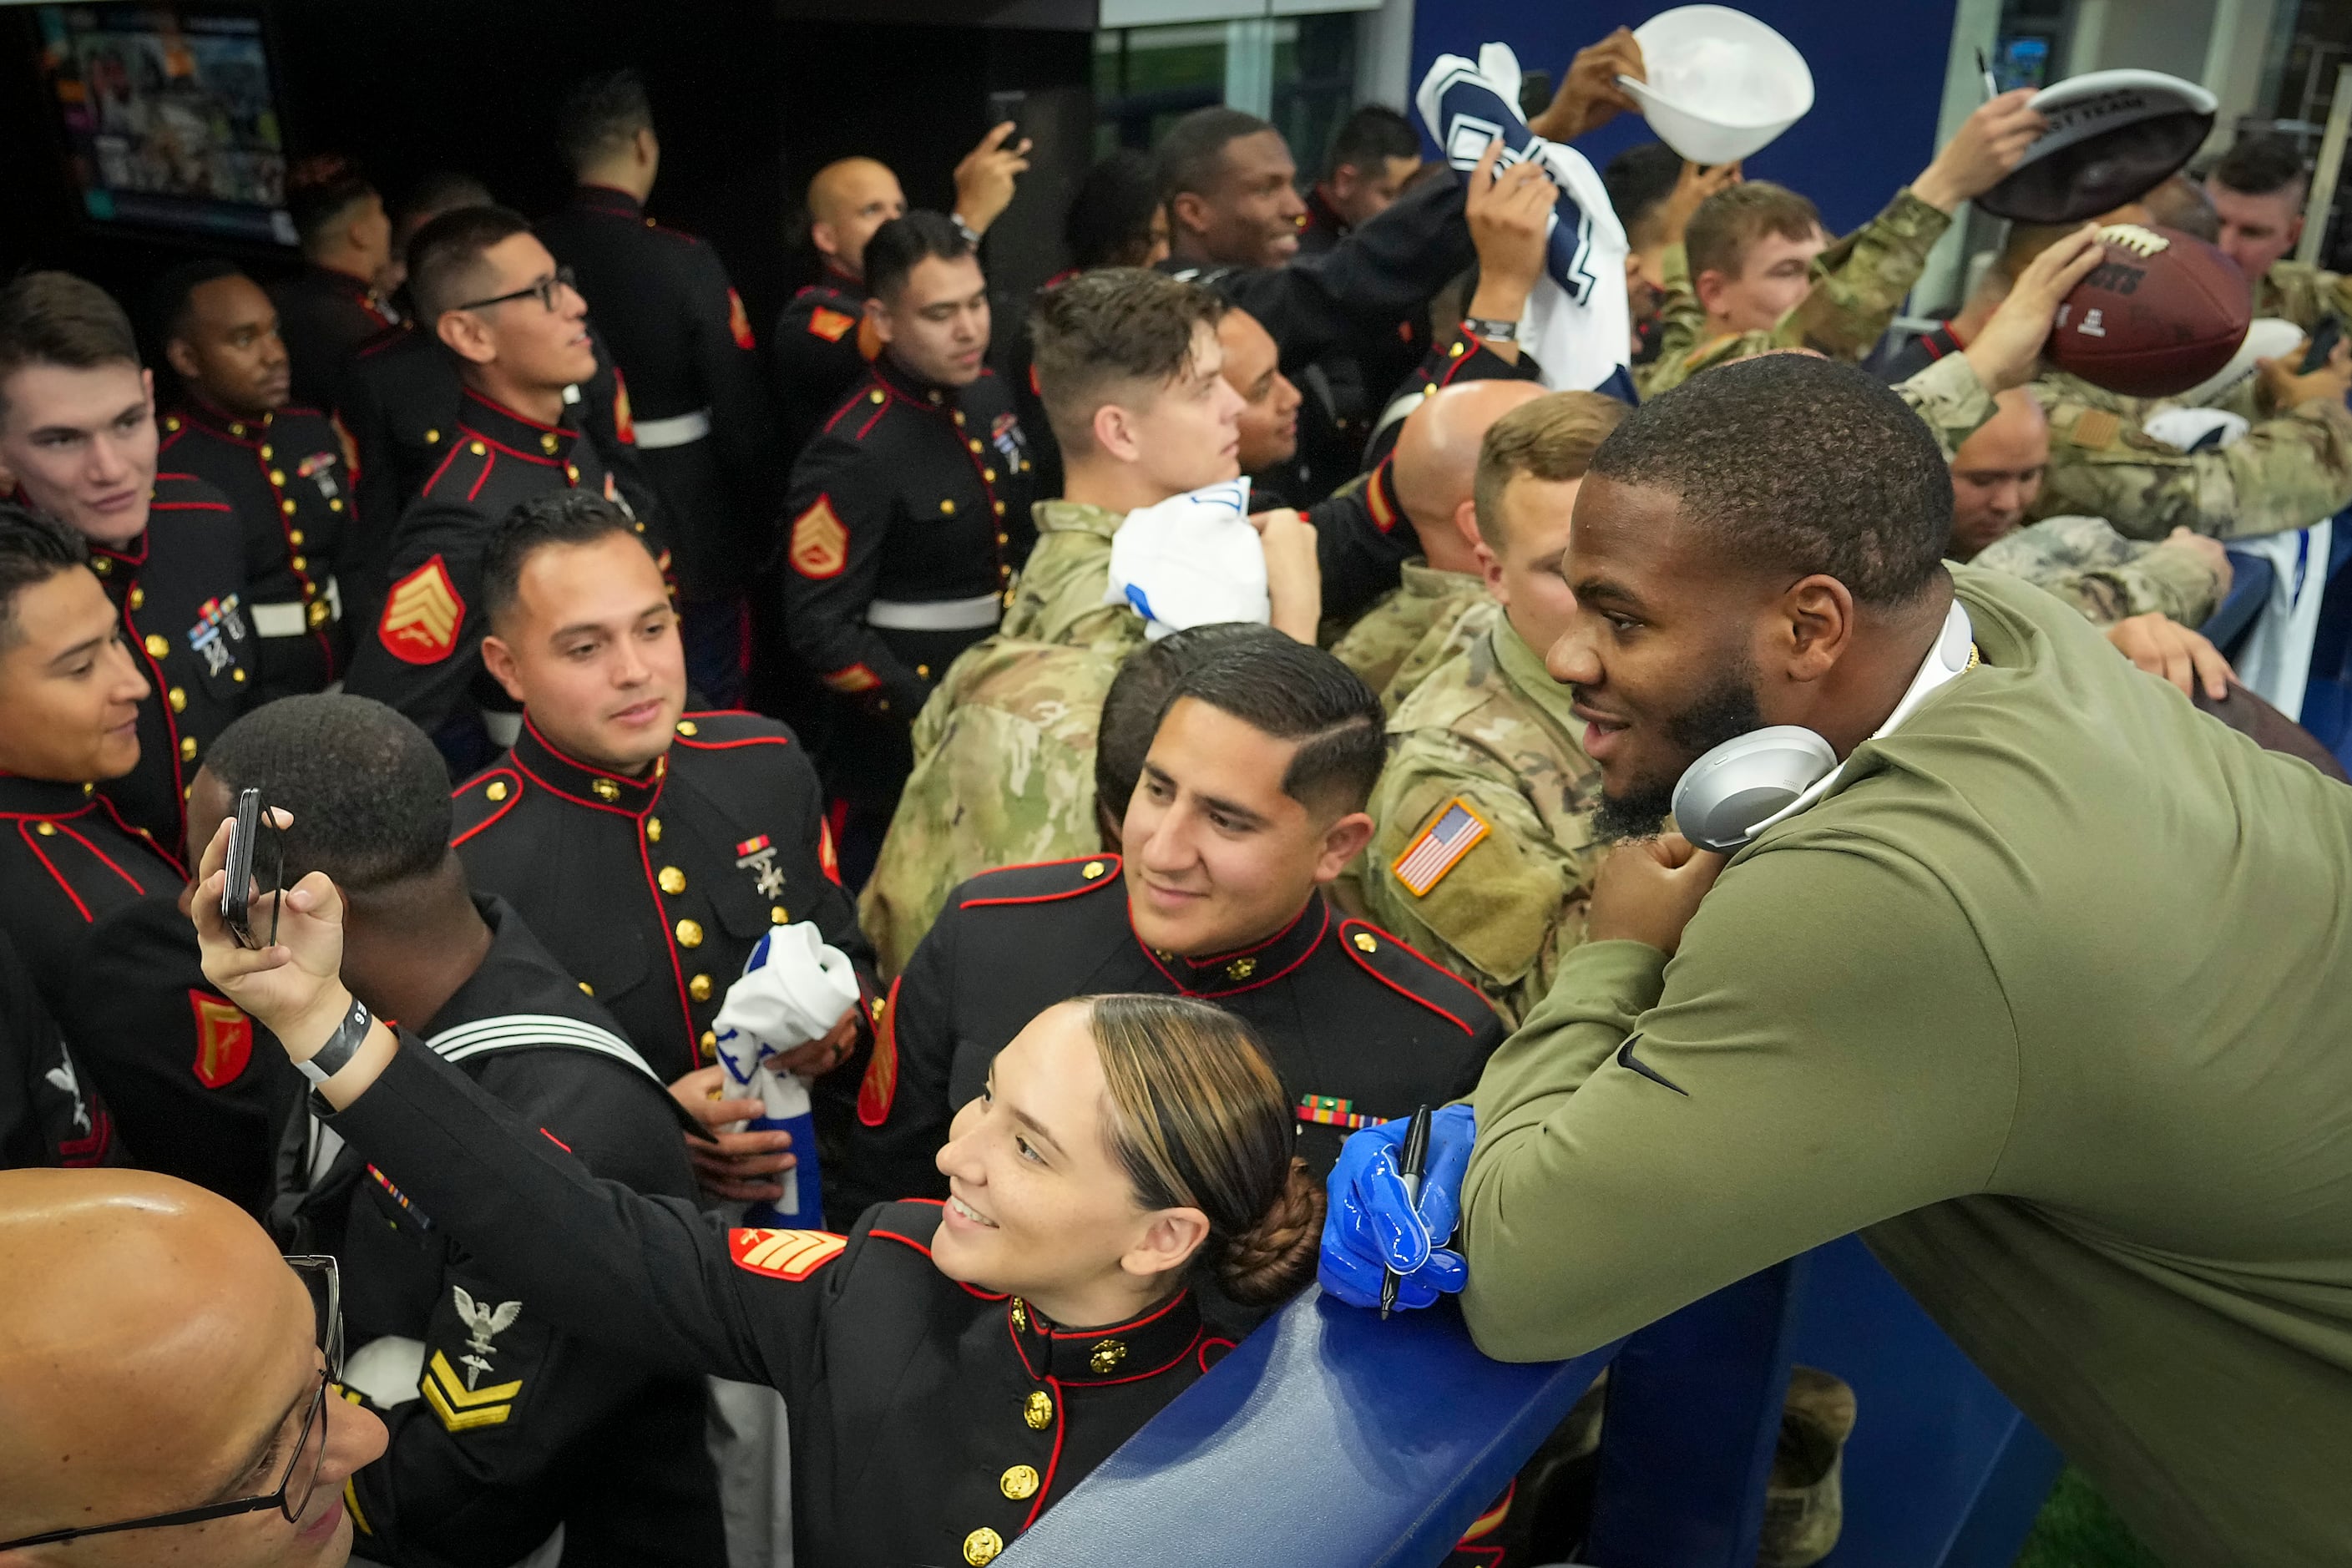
(198, 1089)
(680, 333)
(68, 859)
(288, 475)
(48, 1115)
(931, 1421)
(653, 891)
(818, 351)
(1466, 359)
(181, 590)
(1361, 1028)
(911, 494)
(1344, 389)
(322, 316)
(520, 1425)
(403, 405)
(422, 654)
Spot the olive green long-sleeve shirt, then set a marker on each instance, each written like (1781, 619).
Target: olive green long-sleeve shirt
(2047, 996)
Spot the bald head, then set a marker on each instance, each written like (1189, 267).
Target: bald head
(1997, 473)
(1436, 462)
(848, 199)
(159, 1355)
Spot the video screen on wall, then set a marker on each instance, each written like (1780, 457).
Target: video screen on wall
(168, 119)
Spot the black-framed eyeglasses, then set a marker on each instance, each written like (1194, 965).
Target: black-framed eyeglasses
(299, 1480)
(543, 290)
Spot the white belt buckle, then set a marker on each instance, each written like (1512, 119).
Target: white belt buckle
(979, 612)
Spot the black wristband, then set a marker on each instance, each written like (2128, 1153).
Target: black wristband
(341, 1048)
(1493, 331)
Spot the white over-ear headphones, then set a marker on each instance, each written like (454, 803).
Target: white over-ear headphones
(1747, 783)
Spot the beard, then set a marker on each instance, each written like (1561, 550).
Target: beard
(1723, 712)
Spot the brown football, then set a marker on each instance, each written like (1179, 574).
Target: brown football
(2161, 313)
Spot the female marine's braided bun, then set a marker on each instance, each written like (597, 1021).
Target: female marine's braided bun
(1274, 1260)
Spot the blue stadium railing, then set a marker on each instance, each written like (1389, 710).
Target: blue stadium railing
(1330, 1438)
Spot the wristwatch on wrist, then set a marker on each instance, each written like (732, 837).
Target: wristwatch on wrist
(1494, 331)
(341, 1048)
(970, 234)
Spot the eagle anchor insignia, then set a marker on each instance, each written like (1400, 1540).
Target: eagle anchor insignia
(485, 1322)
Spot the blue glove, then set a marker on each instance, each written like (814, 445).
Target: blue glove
(1370, 1225)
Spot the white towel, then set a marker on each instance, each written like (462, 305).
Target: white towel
(1192, 560)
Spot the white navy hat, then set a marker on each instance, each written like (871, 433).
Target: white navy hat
(2114, 136)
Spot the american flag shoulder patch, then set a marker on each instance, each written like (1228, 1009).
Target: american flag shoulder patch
(1440, 848)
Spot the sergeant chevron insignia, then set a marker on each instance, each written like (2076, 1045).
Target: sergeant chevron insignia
(421, 615)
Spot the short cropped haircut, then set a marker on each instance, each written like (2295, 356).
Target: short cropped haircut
(1791, 465)
(1368, 138)
(1551, 437)
(2262, 166)
(1295, 691)
(369, 794)
(1639, 180)
(444, 258)
(55, 318)
(444, 190)
(320, 192)
(167, 299)
(558, 517)
(1138, 699)
(1193, 153)
(2181, 202)
(903, 243)
(1111, 331)
(1109, 220)
(1729, 223)
(34, 548)
(600, 115)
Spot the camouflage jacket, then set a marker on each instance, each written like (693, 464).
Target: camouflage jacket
(1401, 639)
(1058, 598)
(1951, 398)
(1488, 735)
(2084, 560)
(1858, 283)
(2287, 472)
(2299, 293)
(1004, 774)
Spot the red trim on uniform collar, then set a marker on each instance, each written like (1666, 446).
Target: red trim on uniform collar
(834, 275)
(1245, 968)
(902, 383)
(118, 552)
(523, 419)
(219, 422)
(547, 764)
(1147, 1346)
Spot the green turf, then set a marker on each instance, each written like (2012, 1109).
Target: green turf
(2076, 1529)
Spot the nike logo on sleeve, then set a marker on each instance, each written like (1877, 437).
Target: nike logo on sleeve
(1625, 1060)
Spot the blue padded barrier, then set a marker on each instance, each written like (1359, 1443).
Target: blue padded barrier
(2250, 590)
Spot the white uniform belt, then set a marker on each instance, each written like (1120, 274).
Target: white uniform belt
(678, 430)
(291, 618)
(936, 615)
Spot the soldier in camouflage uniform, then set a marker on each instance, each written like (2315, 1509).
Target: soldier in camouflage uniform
(1481, 854)
(1756, 272)
(1402, 637)
(1012, 768)
(2258, 190)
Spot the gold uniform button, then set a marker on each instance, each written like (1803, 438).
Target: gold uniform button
(924, 671)
(287, 506)
(935, 396)
(778, 916)
(883, 706)
(587, 989)
(700, 988)
(101, 565)
(478, 449)
(138, 597)
(1241, 969)
(336, 504)
(873, 396)
(709, 1045)
(294, 536)
(265, 454)
(1000, 508)
(237, 676)
(178, 697)
(652, 829)
(432, 437)
(1020, 1314)
(236, 429)
(672, 880)
(188, 747)
(1018, 1483)
(688, 727)
(982, 1546)
(1455, 352)
(1038, 1410)
(547, 442)
(317, 612)
(1092, 870)
(689, 934)
(947, 509)
(973, 445)
(572, 472)
(1003, 537)
(604, 789)
(1106, 1355)
(277, 476)
(300, 563)
(157, 645)
(494, 790)
(45, 829)
(989, 475)
(1365, 941)
(172, 421)
(959, 416)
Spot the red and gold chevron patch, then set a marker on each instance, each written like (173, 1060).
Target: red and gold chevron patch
(783, 1254)
(421, 615)
(830, 324)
